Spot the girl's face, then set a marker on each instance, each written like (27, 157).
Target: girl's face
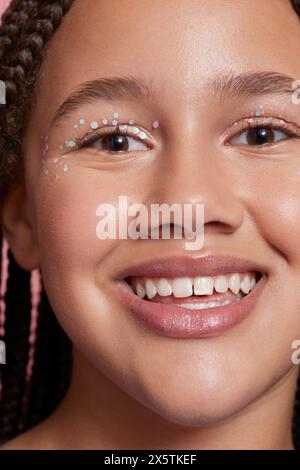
(210, 67)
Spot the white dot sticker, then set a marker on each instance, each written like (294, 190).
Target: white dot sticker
(94, 125)
(105, 121)
(116, 115)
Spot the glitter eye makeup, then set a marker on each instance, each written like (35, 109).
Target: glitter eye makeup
(114, 136)
(72, 143)
(262, 130)
(45, 146)
(259, 111)
(95, 124)
(128, 129)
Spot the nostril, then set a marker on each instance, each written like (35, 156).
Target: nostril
(217, 226)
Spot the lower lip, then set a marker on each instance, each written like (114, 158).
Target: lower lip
(180, 322)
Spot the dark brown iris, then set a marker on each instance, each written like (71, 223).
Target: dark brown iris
(116, 143)
(260, 136)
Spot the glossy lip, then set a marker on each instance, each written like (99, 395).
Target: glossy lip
(174, 321)
(179, 322)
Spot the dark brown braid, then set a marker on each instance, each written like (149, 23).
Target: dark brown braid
(13, 377)
(27, 27)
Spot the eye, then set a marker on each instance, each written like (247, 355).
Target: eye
(123, 139)
(267, 131)
(261, 135)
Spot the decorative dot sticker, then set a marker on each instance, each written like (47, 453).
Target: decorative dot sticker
(114, 122)
(81, 122)
(131, 122)
(116, 115)
(94, 125)
(260, 111)
(104, 121)
(70, 143)
(65, 167)
(142, 135)
(155, 124)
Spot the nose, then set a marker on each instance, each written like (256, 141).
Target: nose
(186, 175)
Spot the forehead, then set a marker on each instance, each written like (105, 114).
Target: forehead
(153, 39)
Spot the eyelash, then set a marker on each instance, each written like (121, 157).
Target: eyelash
(267, 122)
(95, 135)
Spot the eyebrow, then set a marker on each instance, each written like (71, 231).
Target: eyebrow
(222, 85)
(251, 84)
(109, 89)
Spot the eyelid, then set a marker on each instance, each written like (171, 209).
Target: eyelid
(122, 129)
(253, 122)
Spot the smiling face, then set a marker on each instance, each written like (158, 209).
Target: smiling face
(209, 86)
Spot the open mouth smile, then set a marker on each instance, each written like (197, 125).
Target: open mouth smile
(208, 296)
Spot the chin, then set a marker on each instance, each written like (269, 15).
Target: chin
(190, 406)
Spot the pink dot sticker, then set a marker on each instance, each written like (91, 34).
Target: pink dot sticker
(155, 124)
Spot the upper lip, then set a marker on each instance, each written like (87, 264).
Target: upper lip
(187, 266)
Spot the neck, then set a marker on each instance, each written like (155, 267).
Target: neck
(105, 417)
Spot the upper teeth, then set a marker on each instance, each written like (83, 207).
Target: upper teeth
(201, 285)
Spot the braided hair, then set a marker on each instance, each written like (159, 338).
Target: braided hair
(27, 27)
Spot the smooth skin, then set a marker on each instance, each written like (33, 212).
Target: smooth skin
(131, 387)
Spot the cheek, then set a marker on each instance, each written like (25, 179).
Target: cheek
(66, 225)
(273, 200)
(67, 221)
(282, 223)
